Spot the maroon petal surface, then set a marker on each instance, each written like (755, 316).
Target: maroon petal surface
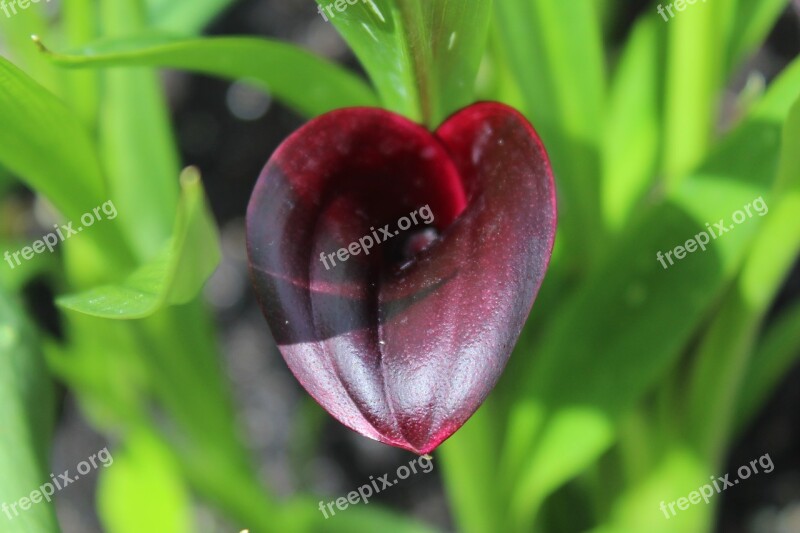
(402, 341)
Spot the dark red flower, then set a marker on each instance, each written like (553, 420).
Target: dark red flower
(402, 340)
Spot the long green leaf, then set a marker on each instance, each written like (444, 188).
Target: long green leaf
(185, 16)
(695, 77)
(456, 33)
(676, 474)
(720, 367)
(302, 515)
(589, 368)
(15, 33)
(308, 84)
(469, 460)
(120, 369)
(143, 475)
(138, 147)
(46, 145)
(81, 26)
(27, 409)
(556, 52)
(173, 278)
(631, 145)
(187, 379)
(772, 359)
(753, 22)
(422, 56)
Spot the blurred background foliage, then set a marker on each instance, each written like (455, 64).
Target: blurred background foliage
(631, 384)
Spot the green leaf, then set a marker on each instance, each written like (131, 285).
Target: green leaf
(45, 144)
(374, 30)
(143, 475)
(632, 140)
(778, 245)
(772, 359)
(589, 368)
(695, 76)
(371, 519)
(187, 379)
(423, 57)
(308, 84)
(15, 34)
(102, 365)
(121, 369)
(723, 359)
(15, 279)
(456, 34)
(27, 409)
(80, 22)
(171, 279)
(138, 147)
(185, 16)
(469, 461)
(555, 50)
(303, 515)
(753, 22)
(497, 80)
(678, 473)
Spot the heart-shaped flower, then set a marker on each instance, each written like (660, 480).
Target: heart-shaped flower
(396, 267)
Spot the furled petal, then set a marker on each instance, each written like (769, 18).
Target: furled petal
(405, 343)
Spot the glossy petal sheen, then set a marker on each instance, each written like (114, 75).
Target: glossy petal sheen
(404, 344)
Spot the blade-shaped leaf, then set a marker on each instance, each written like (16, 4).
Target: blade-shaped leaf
(422, 56)
(695, 76)
(173, 278)
(675, 475)
(469, 463)
(303, 515)
(46, 145)
(308, 84)
(185, 16)
(555, 51)
(374, 30)
(15, 33)
(80, 22)
(772, 360)
(143, 475)
(138, 148)
(723, 358)
(27, 409)
(121, 368)
(631, 145)
(584, 379)
(752, 23)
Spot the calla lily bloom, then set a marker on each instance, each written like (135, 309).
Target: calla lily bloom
(403, 340)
